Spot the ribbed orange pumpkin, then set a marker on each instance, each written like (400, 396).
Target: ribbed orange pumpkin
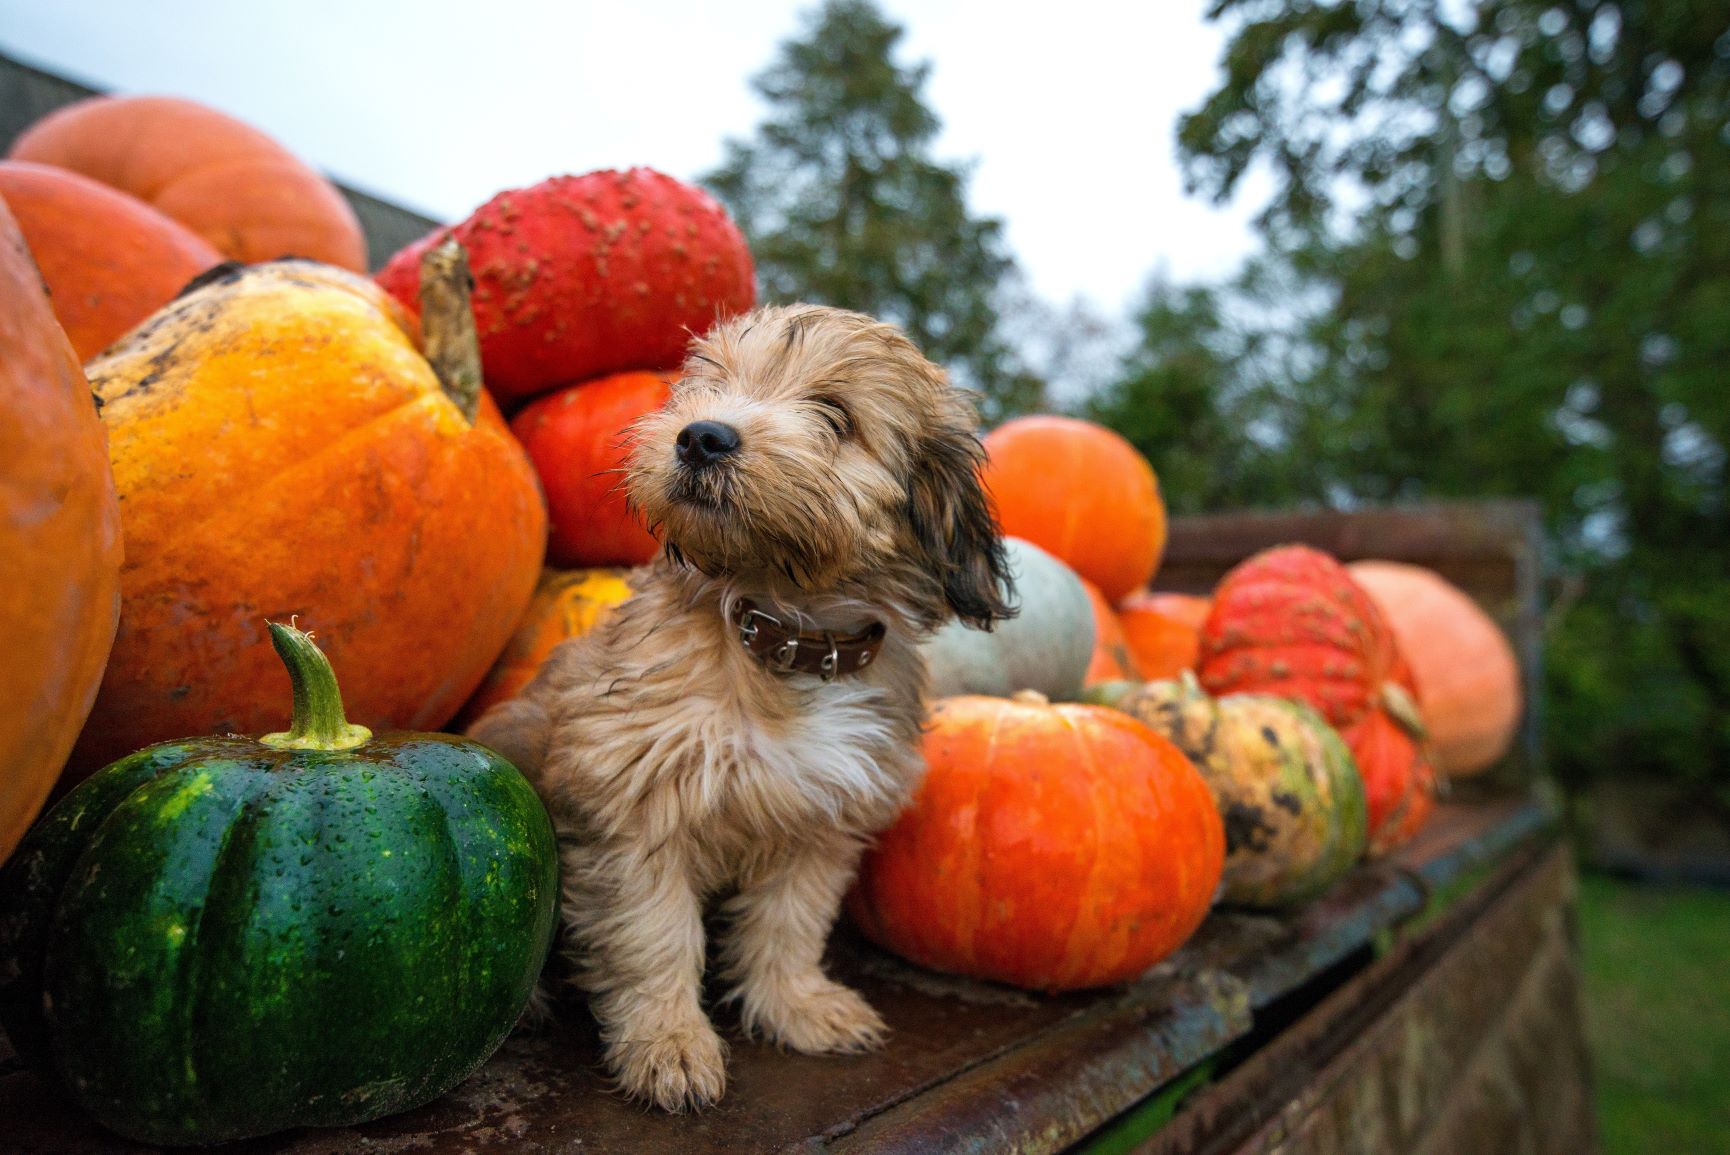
(1163, 631)
(1053, 847)
(1468, 680)
(282, 447)
(1083, 494)
(576, 439)
(1112, 659)
(109, 259)
(567, 604)
(225, 180)
(1291, 622)
(59, 543)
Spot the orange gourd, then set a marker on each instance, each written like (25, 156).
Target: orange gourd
(1468, 681)
(109, 259)
(1292, 623)
(225, 180)
(576, 439)
(1083, 494)
(1163, 631)
(1112, 659)
(59, 542)
(282, 447)
(567, 604)
(1050, 846)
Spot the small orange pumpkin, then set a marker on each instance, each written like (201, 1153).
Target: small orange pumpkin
(1468, 681)
(59, 542)
(1050, 846)
(1113, 660)
(225, 180)
(567, 604)
(1083, 494)
(109, 259)
(282, 447)
(1163, 631)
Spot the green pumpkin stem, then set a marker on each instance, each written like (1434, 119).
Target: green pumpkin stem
(318, 722)
(447, 323)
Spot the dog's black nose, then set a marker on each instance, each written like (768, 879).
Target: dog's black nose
(702, 443)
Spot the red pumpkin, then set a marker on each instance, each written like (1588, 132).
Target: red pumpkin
(1399, 786)
(1112, 659)
(576, 440)
(579, 276)
(109, 259)
(230, 183)
(1081, 493)
(59, 543)
(1468, 681)
(1053, 847)
(1291, 622)
(1163, 631)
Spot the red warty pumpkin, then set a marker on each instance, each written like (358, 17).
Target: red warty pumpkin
(228, 182)
(109, 259)
(1468, 680)
(59, 543)
(1163, 631)
(1291, 622)
(576, 440)
(1053, 847)
(1081, 493)
(580, 276)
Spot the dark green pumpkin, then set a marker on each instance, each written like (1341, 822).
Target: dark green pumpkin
(224, 937)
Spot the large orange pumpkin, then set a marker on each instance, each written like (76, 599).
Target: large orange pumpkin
(1053, 847)
(1163, 631)
(225, 180)
(1468, 680)
(1112, 659)
(282, 448)
(59, 542)
(576, 439)
(567, 604)
(109, 259)
(1082, 493)
(1291, 622)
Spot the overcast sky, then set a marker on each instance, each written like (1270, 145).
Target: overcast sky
(1067, 110)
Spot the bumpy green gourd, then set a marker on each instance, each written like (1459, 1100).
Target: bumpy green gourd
(1286, 785)
(224, 937)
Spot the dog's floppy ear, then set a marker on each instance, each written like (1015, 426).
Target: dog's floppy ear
(954, 523)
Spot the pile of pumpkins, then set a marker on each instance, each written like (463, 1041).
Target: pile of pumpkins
(277, 437)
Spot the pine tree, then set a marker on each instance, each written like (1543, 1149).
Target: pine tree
(843, 203)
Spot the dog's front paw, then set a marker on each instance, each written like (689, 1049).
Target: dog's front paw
(827, 1020)
(682, 1070)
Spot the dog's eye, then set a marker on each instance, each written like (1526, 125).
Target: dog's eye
(835, 414)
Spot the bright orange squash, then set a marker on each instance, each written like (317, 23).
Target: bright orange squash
(567, 604)
(109, 259)
(1163, 631)
(1083, 494)
(225, 180)
(576, 439)
(283, 447)
(1050, 846)
(59, 542)
(1113, 660)
(1468, 681)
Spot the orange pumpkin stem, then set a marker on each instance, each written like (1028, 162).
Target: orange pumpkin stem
(453, 348)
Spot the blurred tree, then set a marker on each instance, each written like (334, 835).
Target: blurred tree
(843, 203)
(1517, 215)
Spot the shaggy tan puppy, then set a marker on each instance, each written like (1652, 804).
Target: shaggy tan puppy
(744, 725)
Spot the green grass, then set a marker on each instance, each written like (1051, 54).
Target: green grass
(1657, 978)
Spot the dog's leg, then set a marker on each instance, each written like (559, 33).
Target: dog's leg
(637, 939)
(773, 954)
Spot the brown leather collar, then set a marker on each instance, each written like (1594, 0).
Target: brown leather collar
(786, 651)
